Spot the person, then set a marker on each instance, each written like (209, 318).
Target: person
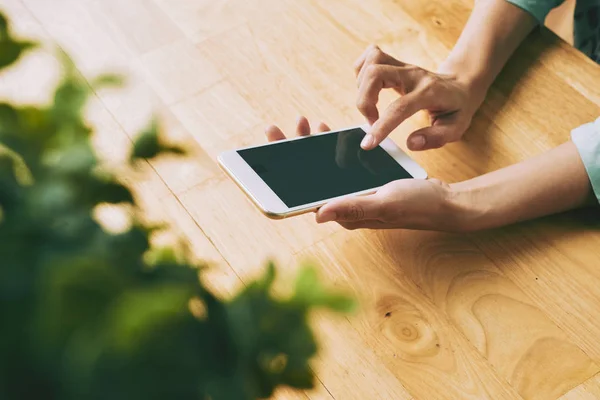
(561, 179)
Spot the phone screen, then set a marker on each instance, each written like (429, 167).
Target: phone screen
(321, 167)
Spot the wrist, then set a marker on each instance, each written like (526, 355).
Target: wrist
(474, 81)
(467, 207)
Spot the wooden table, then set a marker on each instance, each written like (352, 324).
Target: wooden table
(507, 314)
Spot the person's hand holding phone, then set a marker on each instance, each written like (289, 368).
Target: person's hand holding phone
(450, 103)
(406, 203)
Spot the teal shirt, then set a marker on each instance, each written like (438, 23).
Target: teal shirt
(586, 32)
(586, 27)
(587, 140)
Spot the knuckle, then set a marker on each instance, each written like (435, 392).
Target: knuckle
(373, 47)
(356, 212)
(377, 54)
(363, 105)
(429, 83)
(353, 212)
(373, 71)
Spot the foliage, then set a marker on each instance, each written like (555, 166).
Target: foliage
(89, 314)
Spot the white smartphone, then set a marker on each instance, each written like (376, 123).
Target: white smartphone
(299, 175)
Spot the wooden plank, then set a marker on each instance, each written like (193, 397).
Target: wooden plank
(177, 71)
(510, 329)
(589, 390)
(410, 335)
(139, 24)
(201, 19)
(554, 261)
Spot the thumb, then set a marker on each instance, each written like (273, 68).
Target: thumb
(431, 137)
(350, 209)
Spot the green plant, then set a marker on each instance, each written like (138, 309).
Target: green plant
(89, 314)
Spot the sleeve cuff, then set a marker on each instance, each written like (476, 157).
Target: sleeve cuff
(539, 9)
(587, 141)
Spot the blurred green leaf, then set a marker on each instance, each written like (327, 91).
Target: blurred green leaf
(75, 292)
(69, 99)
(139, 312)
(161, 255)
(310, 291)
(10, 190)
(108, 80)
(112, 192)
(90, 314)
(3, 27)
(146, 144)
(10, 51)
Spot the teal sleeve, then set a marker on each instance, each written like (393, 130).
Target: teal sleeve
(538, 8)
(587, 141)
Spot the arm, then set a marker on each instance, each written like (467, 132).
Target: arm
(547, 184)
(495, 28)
(553, 182)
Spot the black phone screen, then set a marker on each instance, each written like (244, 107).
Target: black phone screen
(322, 166)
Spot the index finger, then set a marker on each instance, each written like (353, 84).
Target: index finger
(400, 110)
(377, 78)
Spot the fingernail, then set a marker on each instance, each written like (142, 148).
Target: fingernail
(298, 119)
(367, 142)
(326, 216)
(417, 142)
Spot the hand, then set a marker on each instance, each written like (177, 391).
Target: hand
(407, 203)
(450, 103)
(402, 204)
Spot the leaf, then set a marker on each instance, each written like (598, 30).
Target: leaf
(113, 193)
(139, 312)
(149, 145)
(10, 190)
(161, 255)
(146, 145)
(74, 293)
(307, 281)
(9, 121)
(108, 80)
(10, 51)
(78, 159)
(173, 150)
(339, 303)
(69, 99)
(310, 292)
(267, 280)
(3, 27)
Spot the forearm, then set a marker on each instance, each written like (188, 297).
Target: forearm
(549, 183)
(493, 32)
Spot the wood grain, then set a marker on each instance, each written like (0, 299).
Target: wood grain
(589, 390)
(505, 314)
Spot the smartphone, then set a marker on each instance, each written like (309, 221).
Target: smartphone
(299, 175)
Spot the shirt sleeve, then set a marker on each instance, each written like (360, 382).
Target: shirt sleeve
(538, 8)
(587, 141)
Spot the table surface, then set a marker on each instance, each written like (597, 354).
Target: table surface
(506, 314)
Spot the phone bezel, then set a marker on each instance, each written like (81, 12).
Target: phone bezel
(268, 201)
